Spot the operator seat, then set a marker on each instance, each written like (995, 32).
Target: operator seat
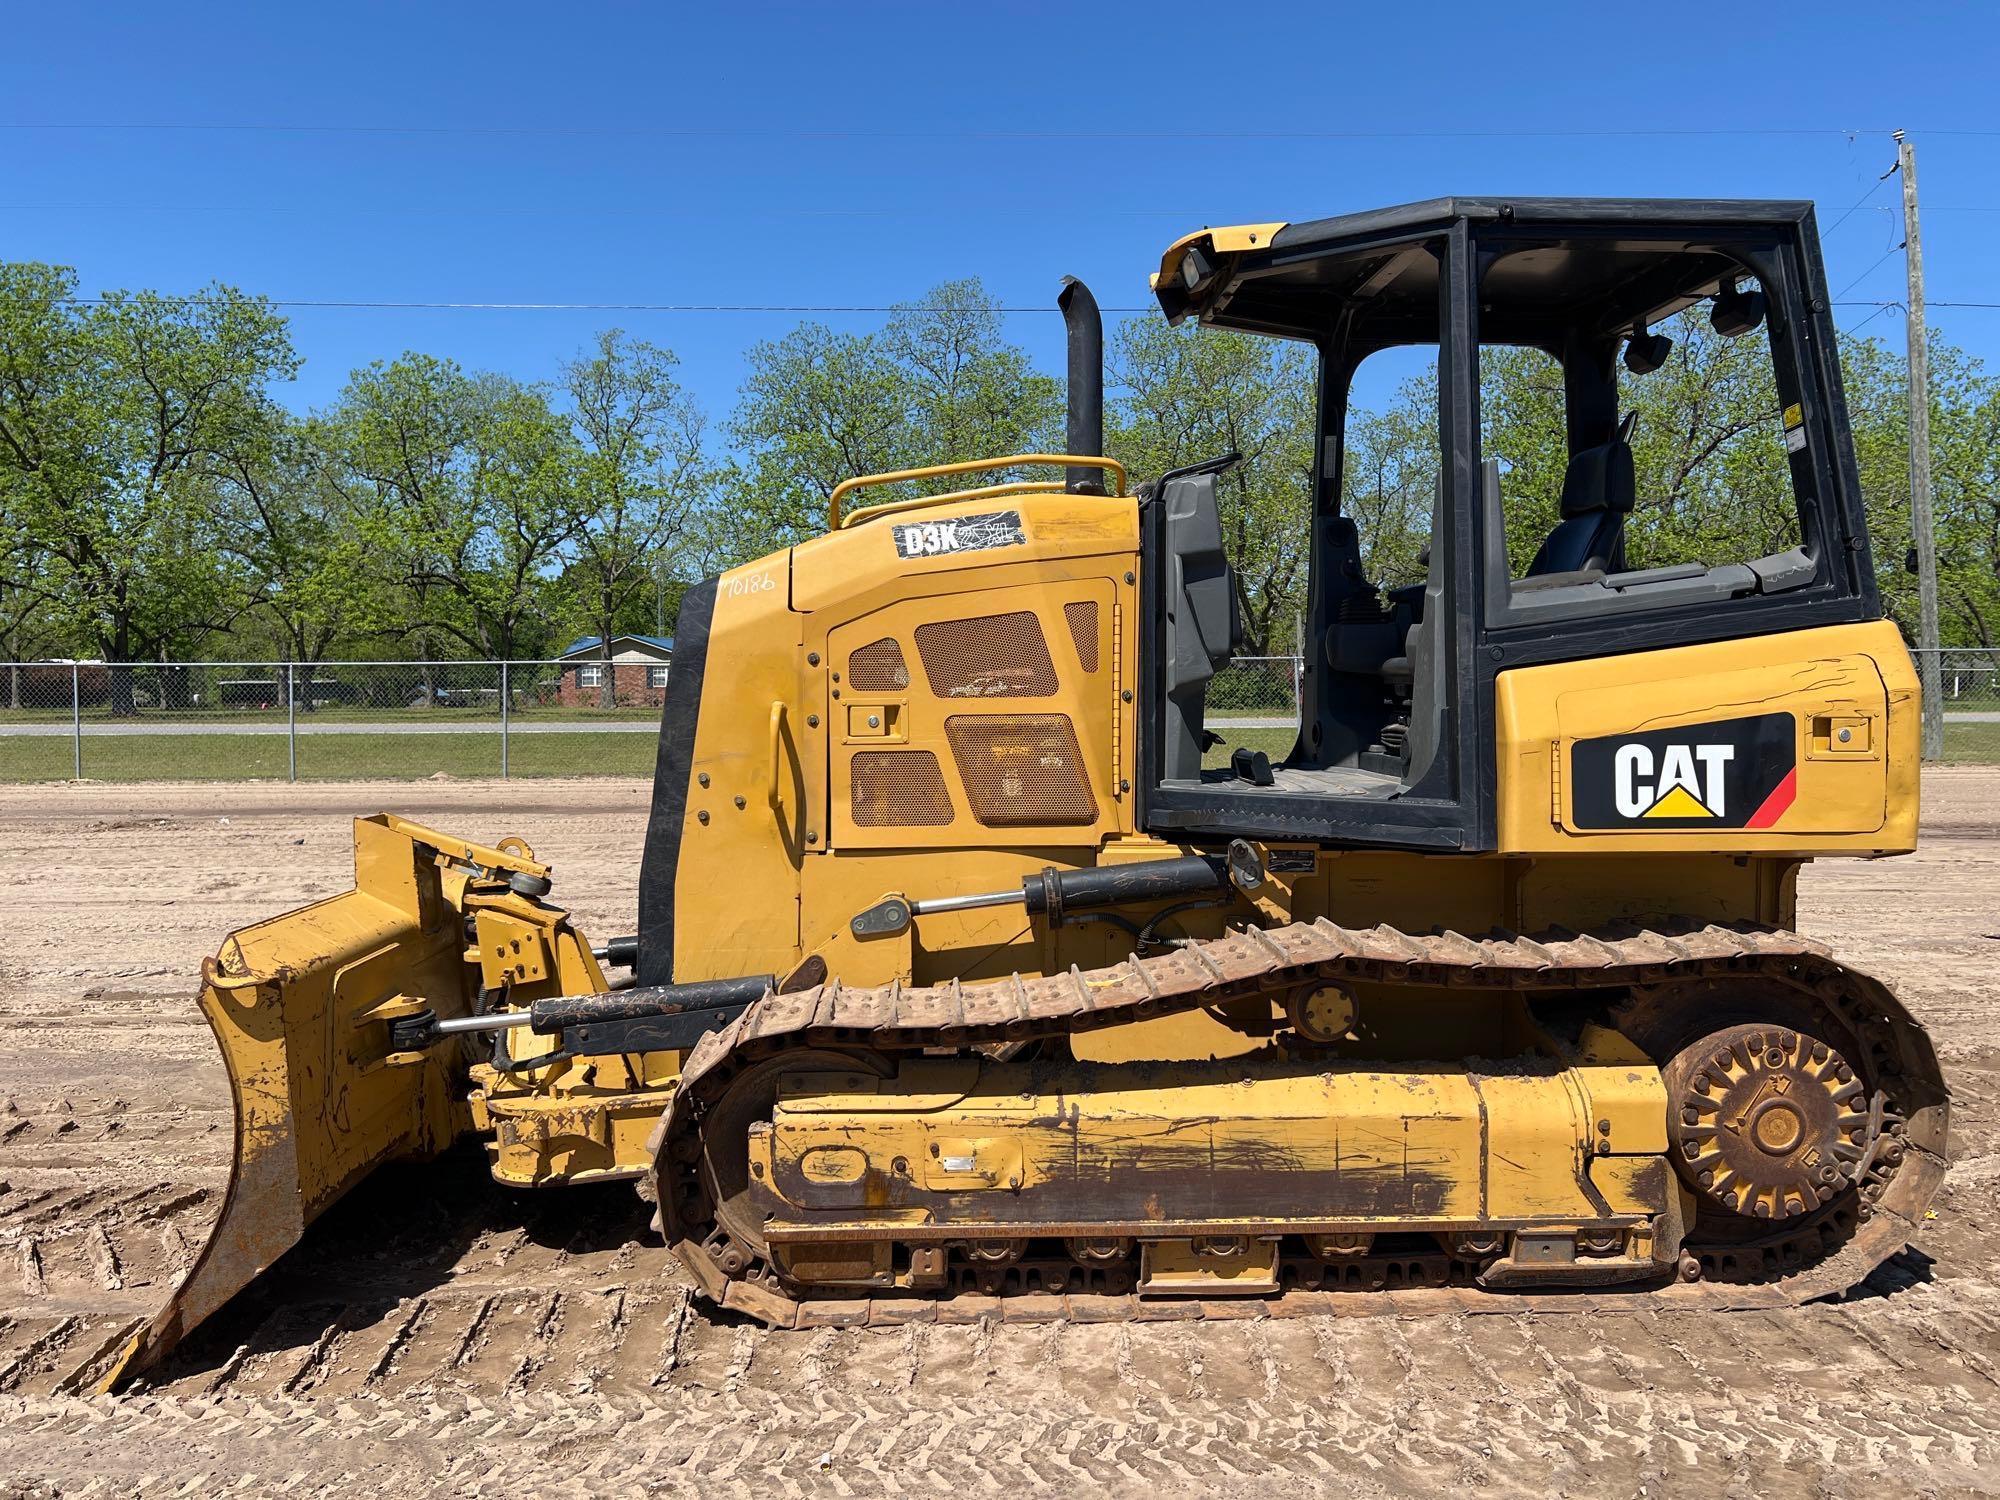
(1597, 495)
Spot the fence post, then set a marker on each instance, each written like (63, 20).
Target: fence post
(291, 726)
(503, 721)
(76, 717)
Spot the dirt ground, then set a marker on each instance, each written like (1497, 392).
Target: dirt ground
(436, 1335)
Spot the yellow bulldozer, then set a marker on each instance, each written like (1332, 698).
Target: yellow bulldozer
(973, 963)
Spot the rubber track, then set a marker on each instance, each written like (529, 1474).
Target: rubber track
(1898, 1058)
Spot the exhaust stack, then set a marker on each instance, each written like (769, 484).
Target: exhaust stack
(1086, 383)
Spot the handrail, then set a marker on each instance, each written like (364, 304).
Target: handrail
(966, 466)
(922, 502)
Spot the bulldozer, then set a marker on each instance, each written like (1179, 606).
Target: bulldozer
(973, 965)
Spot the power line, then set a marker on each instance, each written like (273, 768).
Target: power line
(1872, 191)
(1854, 328)
(1869, 272)
(272, 127)
(569, 210)
(1928, 301)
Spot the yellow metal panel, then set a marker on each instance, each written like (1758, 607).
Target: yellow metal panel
(1863, 802)
(988, 942)
(755, 805)
(1537, 1149)
(577, 1132)
(1226, 239)
(757, 890)
(856, 569)
(1272, 1142)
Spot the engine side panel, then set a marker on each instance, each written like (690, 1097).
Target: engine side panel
(1803, 742)
(935, 701)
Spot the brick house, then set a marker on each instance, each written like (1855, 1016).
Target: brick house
(639, 666)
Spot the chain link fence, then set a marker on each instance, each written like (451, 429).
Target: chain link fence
(1256, 692)
(229, 721)
(1969, 694)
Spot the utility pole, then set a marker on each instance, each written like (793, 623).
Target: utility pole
(1923, 530)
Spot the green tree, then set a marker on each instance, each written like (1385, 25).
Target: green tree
(285, 521)
(1185, 395)
(938, 383)
(1965, 484)
(1965, 499)
(461, 487)
(1390, 484)
(27, 598)
(638, 475)
(113, 417)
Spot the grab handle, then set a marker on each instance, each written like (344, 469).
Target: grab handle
(777, 755)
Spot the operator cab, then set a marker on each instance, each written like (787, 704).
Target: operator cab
(1565, 500)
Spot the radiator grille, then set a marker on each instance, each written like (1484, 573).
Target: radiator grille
(989, 656)
(898, 789)
(1021, 768)
(1082, 617)
(878, 667)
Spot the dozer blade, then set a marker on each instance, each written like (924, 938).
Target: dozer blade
(297, 1005)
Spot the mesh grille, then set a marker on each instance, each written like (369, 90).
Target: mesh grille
(878, 667)
(898, 789)
(1082, 617)
(990, 656)
(1021, 768)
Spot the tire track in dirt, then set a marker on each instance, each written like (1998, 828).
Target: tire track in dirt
(1482, 1403)
(436, 1333)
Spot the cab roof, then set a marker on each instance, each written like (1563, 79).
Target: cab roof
(1201, 274)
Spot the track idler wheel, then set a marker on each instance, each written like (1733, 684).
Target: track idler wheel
(736, 1243)
(1766, 1122)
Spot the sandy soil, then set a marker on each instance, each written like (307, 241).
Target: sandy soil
(438, 1335)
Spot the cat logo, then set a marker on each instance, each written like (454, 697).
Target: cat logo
(1680, 792)
(1731, 773)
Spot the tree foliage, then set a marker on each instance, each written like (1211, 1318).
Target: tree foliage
(1184, 396)
(115, 417)
(638, 474)
(936, 384)
(156, 501)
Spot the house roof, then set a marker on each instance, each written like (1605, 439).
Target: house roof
(661, 644)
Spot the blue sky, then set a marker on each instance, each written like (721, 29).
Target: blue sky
(857, 154)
